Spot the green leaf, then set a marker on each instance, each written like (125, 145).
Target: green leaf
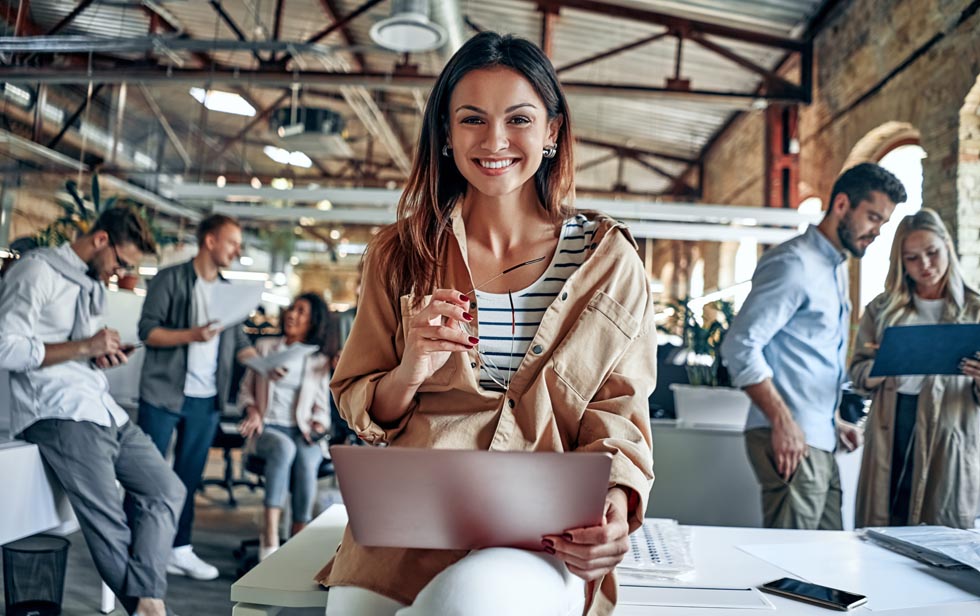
(72, 189)
(96, 193)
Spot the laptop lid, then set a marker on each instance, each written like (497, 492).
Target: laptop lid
(468, 499)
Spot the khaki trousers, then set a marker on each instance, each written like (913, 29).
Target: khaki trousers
(810, 500)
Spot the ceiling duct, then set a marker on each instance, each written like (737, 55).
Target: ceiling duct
(409, 28)
(313, 130)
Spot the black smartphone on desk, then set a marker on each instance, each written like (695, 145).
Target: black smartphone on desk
(814, 593)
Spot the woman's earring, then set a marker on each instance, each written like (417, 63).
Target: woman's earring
(550, 151)
(445, 150)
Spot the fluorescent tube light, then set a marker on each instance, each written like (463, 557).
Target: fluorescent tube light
(225, 102)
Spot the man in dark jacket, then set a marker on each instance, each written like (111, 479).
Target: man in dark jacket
(187, 372)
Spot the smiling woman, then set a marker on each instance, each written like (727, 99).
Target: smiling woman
(495, 316)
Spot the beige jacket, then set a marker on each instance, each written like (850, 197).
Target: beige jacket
(313, 399)
(586, 390)
(946, 458)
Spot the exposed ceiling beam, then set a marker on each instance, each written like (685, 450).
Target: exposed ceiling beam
(70, 17)
(772, 80)
(259, 117)
(371, 81)
(70, 121)
(673, 22)
(277, 24)
(549, 19)
(361, 101)
(336, 25)
(331, 11)
(165, 124)
(605, 158)
(677, 184)
(632, 151)
(225, 17)
(612, 52)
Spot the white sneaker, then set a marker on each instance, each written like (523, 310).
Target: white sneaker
(183, 561)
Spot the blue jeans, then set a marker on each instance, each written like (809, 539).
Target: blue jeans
(195, 426)
(288, 456)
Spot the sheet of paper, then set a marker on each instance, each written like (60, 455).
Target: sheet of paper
(232, 303)
(263, 365)
(692, 596)
(889, 580)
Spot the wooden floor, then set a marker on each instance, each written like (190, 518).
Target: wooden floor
(218, 529)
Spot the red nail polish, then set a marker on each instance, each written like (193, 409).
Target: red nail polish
(550, 550)
(547, 543)
(467, 316)
(469, 346)
(463, 298)
(567, 537)
(474, 340)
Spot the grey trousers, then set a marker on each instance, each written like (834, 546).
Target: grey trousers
(88, 459)
(810, 500)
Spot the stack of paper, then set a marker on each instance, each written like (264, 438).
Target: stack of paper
(265, 365)
(232, 303)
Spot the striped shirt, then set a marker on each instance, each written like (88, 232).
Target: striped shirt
(509, 321)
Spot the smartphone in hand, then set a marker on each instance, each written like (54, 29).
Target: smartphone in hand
(129, 349)
(814, 593)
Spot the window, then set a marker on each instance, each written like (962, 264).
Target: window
(906, 163)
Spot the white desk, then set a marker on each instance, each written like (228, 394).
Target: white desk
(39, 502)
(286, 578)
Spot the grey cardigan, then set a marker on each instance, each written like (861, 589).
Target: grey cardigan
(169, 304)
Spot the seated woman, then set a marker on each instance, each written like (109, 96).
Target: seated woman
(920, 462)
(284, 418)
(494, 316)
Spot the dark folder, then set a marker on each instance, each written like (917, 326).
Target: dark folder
(926, 349)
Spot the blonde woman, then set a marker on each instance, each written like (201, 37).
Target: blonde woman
(922, 454)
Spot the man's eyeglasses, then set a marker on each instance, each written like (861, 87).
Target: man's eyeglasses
(499, 376)
(128, 268)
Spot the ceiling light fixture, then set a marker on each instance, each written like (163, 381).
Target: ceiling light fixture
(225, 102)
(285, 157)
(408, 29)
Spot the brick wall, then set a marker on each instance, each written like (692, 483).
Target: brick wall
(877, 61)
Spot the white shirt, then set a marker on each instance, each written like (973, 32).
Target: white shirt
(282, 409)
(37, 306)
(927, 312)
(202, 357)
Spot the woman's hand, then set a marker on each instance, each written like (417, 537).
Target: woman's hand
(252, 424)
(316, 430)
(593, 552)
(971, 367)
(434, 334)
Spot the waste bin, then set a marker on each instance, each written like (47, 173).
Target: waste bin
(34, 575)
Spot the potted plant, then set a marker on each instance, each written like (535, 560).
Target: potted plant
(78, 217)
(708, 397)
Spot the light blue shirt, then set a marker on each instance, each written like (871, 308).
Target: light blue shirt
(793, 328)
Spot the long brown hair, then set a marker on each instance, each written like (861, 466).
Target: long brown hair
(408, 255)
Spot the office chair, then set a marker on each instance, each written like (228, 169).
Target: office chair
(227, 438)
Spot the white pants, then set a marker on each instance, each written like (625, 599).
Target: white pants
(488, 582)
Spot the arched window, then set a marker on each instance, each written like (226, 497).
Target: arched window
(905, 161)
